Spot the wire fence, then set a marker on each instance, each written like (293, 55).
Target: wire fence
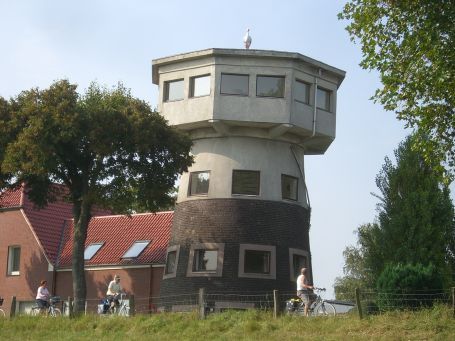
(364, 302)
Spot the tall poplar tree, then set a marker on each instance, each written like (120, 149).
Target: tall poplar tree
(415, 223)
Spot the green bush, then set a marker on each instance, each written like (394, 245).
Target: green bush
(408, 286)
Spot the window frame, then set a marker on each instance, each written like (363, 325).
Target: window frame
(192, 85)
(257, 247)
(245, 171)
(176, 249)
(308, 88)
(271, 76)
(298, 252)
(234, 94)
(219, 247)
(146, 242)
(11, 261)
(190, 183)
(328, 100)
(99, 244)
(296, 189)
(166, 90)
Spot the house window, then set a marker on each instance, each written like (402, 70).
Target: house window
(200, 86)
(270, 86)
(234, 84)
(173, 90)
(14, 259)
(257, 261)
(323, 99)
(245, 182)
(199, 183)
(302, 92)
(289, 187)
(91, 250)
(136, 249)
(206, 259)
(172, 258)
(298, 259)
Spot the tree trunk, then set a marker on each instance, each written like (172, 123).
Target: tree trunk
(81, 213)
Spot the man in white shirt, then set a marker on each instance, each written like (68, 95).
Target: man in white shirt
(304, 289)
(113, 291)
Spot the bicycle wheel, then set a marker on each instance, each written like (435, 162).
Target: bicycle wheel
(2, 313)
(123, 311)
(55, 312)
(34, 311)
(325, 309)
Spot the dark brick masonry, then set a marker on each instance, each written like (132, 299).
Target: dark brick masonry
(236, 221)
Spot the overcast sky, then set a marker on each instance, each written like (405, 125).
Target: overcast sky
(111, 41)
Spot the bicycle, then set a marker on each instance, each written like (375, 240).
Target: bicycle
(122, 309)
(319, 307)
(2, 312)
(52, 310)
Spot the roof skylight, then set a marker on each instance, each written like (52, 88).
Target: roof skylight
(91, 250)
(136, 249)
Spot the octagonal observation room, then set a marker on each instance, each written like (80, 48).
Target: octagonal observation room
(258, 93)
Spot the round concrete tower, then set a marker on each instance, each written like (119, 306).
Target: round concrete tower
(242, 217)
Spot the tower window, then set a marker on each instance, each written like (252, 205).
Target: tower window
(206, 259)
(173, 90)
(14, 260)
(200, 86)
(234, 84)
(289, 187)
(298, 259)
(257, 261)
(199, 183)
(270, 86)
(302, 92)
(323, 99)
(245, 182)
(172, 259)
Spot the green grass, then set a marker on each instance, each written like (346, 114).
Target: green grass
(435, 324)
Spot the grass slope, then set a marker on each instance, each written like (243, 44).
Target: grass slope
(435, 324)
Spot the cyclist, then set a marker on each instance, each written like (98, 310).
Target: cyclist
(114, 290)
(304, 290)
(42, 296)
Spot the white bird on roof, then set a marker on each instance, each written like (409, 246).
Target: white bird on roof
(247, 39)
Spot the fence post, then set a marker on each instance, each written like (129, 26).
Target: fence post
(132, 306)
(70, 307)
(276, 304)
(357, 299)
(202, 303)
(12, 311)
(453, 301)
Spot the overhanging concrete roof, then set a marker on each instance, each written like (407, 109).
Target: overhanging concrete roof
(243, 53)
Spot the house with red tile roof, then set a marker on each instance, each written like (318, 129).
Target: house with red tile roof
(36, 244)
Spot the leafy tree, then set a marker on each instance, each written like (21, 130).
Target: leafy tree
(415, 223)
(358, 263)
(411, 44)
(404, 286)
(109, 150)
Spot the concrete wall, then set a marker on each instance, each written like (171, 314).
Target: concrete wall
(221, 156)
(14, 231)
